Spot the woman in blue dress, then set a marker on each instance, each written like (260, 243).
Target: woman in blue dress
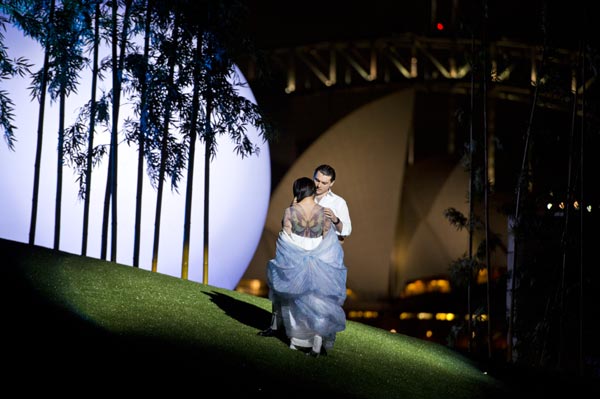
(307, 277)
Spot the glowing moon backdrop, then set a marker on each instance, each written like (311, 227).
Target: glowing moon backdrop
(239, 189)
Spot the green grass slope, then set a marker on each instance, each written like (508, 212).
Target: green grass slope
(73, 321)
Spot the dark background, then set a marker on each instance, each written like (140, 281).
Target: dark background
(301, 117)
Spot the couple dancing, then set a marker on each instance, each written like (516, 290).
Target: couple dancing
(307, 277)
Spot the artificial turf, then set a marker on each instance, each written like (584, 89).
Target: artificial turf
(73, 321)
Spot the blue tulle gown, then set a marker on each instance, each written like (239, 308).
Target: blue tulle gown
(308, 286)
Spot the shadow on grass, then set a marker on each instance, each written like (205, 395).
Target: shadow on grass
(48, 348)
(244, 312)
(41, 338)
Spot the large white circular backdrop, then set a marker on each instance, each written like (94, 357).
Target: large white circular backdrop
(239, 190)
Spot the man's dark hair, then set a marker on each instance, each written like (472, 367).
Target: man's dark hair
(326, 170)
(304, 187)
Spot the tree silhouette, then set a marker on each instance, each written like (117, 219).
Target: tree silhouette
(66, 61)
(95, 112)
(226, 112)
(35, 19)
(139, 66)
(119, 42)
(170, 149)
(9, 69)
(183, 82)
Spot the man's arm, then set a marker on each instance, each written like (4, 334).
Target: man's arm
(344, 227)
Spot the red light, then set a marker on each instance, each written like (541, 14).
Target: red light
(439, 26)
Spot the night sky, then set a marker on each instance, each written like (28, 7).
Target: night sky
(276, 24)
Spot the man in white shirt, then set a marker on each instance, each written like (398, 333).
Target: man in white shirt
(335, 206)
(336, 209)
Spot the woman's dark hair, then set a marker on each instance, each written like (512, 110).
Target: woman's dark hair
(304, 187)
(326, 170)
